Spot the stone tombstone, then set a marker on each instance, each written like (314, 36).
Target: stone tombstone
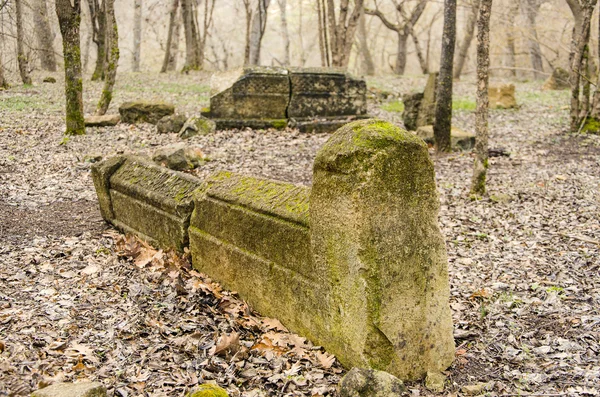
(412, 103)
(144, 112)
(558, 80)
(419, 108)
(374, 231)
(502, 96)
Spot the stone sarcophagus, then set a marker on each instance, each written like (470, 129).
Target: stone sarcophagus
(310, 99)
(356, 263)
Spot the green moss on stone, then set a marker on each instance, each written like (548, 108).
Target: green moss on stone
(279, 124)
(208, 390)
(592, 126)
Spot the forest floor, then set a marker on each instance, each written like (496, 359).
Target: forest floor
(78, 301)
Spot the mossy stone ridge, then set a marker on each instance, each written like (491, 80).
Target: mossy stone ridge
(208, 390)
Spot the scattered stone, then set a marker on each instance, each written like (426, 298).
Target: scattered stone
(361, 382)
(171, 124)
(474, 389)
(179, 156)
(502, 96)
(208, 390)
(458, 138)
(197, 125)
(435, 381)
(81, 389)
(49, 79)
(145, 112)
(107, 120)
(558, 80)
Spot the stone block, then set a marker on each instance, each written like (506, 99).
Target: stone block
(101, 173)
(427, 107)
(558, 80)
(502, 96)
(145, 112)
(410, 115)
(197, 125)
(374, 229)
(362, 382)
(171, 124)
(80, 389)
(107, 120)
(459, 139)
(178, 156)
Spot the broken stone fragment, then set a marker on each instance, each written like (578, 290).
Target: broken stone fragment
(475, 389)
(81, 389)
(171, 124)
(145, 112)
(107, 120)
(208, 390)
(502, 96)
(459, 139)
(412, 102)
(197, 125)
(361, 382)
(179, 157)
(435, 381)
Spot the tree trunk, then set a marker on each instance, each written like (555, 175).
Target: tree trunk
(463, 51)
(422, 60)
(531, 9)
(480, 165)
(257, 30)
(367, 64)
(69, 18)
(44, 35)
(3, 82)
(511, 38)
(322, 33)
(88, 44)
(400, 65)
(301, 51)
(341, 33)
(285, 35)
(98, 20)
(137, 34)
(112, 37)
(192, 55)
(170, 60)
(443, 103)
(22, 57)
(248, 9)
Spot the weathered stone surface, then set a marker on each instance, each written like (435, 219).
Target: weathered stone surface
(427, 107)
(208, 390)
(178, 156)
(359, 382)
(373, 221)
(171, 124)
(412, 103)
(502, 96)
(49, 79)
(558, 80)
(81, 389)
(145, 112)
(101, 173)
(434, 381)
(197, 125)
(107, 120)
(325, 92)
(459, 139)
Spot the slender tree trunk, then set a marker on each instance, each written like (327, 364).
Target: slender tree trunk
(192, 38)
(322, 33)
(595, 111)
(88, 43)
(400, 65)
(463, 51)
(98, 19)
(480, 165)
(443, 102)
(69, 18)
(422, 61)
(301, 51)
(511, 38)
(22, 57)
(137, 34)
(259, 24)
(44, 35)
(112, 37)
(585, 92)
(531, 9)
(3, 82)
(367, 64)
(172, 39)
(341, 33)
(285, 35)
(248, 9)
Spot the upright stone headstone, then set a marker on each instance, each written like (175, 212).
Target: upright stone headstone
(558, 80)
(427, 108)
(374, 228)
(502, 96)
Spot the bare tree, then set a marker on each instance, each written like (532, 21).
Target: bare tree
(112, 37)
(530, 9)
(44, 35)
(285, 35)
(195, 34)
(480, 165)
(170, 60)
(511, 37)
(403, 27)
(341, 32)
(248, 13)
(323, 40)
(257, 30)
(367, 64)
(69, 17)
(22, 57)
(137, 34)
(98, 22)
(467, 39)
(3, 82)
(443, 104)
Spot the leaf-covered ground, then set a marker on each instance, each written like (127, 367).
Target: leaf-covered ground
(80, 301)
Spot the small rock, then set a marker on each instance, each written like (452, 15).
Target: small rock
(145, 112)
(435, 381)
(179, 156)
(82, 389)
(474, 389)
(171, 124)
(49, 79)
(106, 120)
(208, 390)
(361, 382)
(197, 125)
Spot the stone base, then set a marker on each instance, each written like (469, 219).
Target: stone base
(459, 139)
(314, 125)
